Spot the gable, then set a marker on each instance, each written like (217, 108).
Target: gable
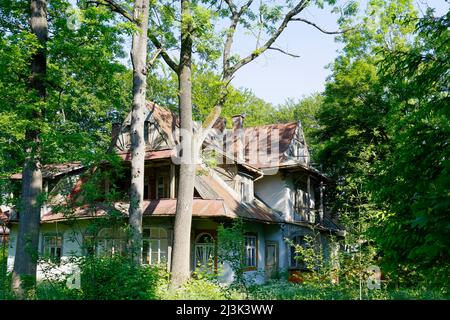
(160, 129)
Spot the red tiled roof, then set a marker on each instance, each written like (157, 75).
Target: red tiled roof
(54, 170)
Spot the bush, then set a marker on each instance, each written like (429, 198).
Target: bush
(5, 277)
(116, 278)
(196, 289)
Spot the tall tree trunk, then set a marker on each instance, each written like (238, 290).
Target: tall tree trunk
(138, 57)
(183, 218)
(25, 262)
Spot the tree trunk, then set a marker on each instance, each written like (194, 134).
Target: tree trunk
(25, 262)
(138, 57)
(183, 218)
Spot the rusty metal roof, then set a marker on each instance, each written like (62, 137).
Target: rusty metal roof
(253, 210)
(54, 170)
(160, 207)
(149, 154)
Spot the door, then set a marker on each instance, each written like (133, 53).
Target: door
(271, 258)
(204, 253)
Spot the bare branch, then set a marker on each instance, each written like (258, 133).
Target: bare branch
(153, 59)
(211, 118)
(229, 71)
(169, 61)
(245, 7)
(232, 7)
(319, 28)
(235, 16)
(284, 52)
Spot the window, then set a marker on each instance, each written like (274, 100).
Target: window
(111, 241)
(88, 245)
(154, 246)
(250, 242)
(53, 247)
(162, 187)
(301, 200)
(204, 252)
(295, 260)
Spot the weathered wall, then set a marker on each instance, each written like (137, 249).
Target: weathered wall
(274, 191)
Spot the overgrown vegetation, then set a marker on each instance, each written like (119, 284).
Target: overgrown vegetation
(380, 129)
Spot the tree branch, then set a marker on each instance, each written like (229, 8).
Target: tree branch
(235, 16)
(170, 62)
(229, 71)
(319, 28)
(115, 7)
(284, 52)
(153, 59)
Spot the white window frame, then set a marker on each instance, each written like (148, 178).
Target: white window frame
(110, 244)
(251, 250)
(163, 252)
(47, 249)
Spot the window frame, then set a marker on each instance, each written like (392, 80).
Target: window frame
(165, 186)
(253, 235)
(149, 253)
(56, 260)
(298, 265)
(117, 241)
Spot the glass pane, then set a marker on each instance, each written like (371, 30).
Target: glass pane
(163, 245)
(146, 233)
(163, 257)
(270, 255)
(154, 258)
(154, 245)
(199, 255)
(145, 252)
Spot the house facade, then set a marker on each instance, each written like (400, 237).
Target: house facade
(260, 174)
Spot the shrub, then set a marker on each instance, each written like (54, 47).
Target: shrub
(5, 277)
(116, 278)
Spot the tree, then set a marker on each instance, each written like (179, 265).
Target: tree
(304, 110)
(138, 21)
(411, 183)
(28, 235)
(139, 59)
(59, 110)
(196, 31)
(382, 138)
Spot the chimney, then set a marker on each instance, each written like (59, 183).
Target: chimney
(238, 133)
(238, 121)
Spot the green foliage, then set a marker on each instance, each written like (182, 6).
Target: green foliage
(383, 137)
(117, 278)
(5, 278)
(196, 289)
(231, 250)
(304, 110)
(87, 86)
(413, 179)
(282, 290)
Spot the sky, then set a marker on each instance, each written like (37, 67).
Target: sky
(275, 77)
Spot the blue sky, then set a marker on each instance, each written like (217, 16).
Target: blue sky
(275, 77)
